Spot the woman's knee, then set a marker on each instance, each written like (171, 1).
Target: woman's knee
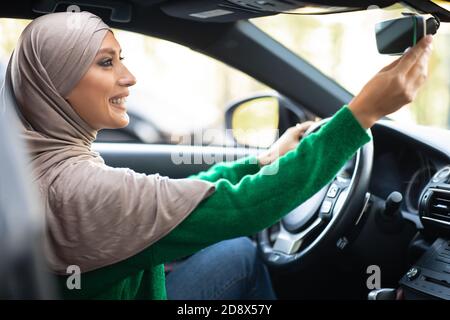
(250, 269)
(242, 254)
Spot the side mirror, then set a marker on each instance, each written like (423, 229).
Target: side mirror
(259, 120)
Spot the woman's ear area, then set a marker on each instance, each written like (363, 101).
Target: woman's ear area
(67, 99)
(69, 96)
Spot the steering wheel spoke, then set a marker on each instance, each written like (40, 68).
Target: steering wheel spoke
(289, 243)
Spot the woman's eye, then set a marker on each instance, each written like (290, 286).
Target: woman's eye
(108, 62)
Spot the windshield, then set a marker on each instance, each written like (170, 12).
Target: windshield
(343, 47)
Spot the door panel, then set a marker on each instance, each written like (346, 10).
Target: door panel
(175, 161)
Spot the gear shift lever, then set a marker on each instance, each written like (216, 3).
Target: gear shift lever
(393, 202)
(389, 218)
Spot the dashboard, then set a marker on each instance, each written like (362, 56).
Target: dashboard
(411, 251)
(405, 160)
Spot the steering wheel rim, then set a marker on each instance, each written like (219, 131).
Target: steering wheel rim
(288, 249)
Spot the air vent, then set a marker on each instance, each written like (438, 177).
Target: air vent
(438, 206)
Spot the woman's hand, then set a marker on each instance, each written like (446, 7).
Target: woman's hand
(394, 86)
(288, 141)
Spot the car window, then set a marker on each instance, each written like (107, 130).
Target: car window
(343, 47)
(179, 93)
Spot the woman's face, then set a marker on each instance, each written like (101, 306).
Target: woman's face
(99, 97)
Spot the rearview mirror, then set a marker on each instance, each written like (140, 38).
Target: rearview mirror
(397, 35)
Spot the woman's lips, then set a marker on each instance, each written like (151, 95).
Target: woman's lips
(118, 103)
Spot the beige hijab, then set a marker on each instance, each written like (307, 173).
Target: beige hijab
(95, 215)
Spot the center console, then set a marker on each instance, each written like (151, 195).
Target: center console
(429, 277)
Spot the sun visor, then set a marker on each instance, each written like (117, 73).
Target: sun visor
(233, 10)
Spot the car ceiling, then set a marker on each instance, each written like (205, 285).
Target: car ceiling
(205, 11)
(172, 19)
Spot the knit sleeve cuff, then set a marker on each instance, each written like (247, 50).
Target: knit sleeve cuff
(345, 127)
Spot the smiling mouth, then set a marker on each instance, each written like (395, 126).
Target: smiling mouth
(118, 103)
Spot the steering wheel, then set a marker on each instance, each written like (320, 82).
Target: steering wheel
(324, 220)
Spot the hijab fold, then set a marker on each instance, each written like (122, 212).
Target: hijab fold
(95, 215)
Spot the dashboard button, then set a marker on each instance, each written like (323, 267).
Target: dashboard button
(326, 206)
(332, 192)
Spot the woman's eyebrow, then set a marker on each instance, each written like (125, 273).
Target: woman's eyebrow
(108, 50)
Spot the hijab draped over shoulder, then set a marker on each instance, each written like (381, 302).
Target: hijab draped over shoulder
(95, 215)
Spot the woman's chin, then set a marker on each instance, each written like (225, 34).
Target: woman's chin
(120, 120)
(119, 115)
(124, 121)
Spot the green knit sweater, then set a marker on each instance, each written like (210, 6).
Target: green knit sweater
(247, 199)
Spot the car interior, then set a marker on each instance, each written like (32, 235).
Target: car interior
(380, 230)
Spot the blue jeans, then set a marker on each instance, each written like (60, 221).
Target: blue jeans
(227, 270)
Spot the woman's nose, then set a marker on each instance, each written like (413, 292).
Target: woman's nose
(128, 79)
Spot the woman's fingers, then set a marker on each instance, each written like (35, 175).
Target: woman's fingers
(304, 125)
(392, 65)
(411, 57)
(419, 71)
(301, 128)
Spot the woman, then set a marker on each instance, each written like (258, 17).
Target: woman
(120, 227)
